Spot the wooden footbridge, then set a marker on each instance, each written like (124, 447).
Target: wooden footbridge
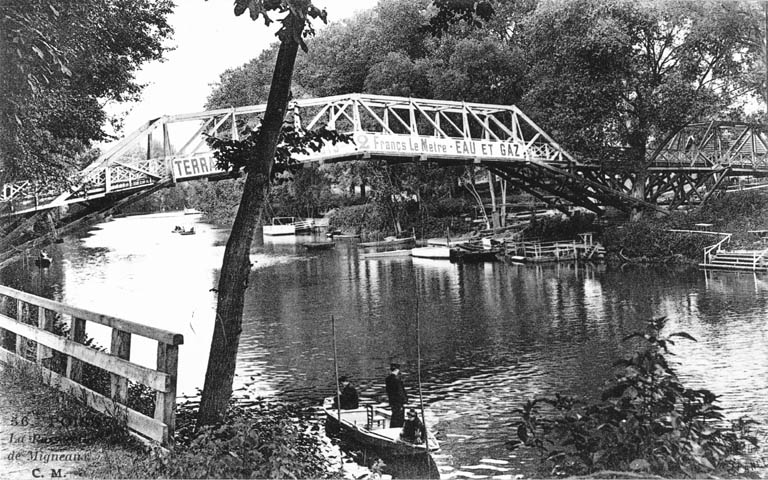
(686, 169)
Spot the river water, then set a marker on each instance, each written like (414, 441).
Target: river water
(491, 335)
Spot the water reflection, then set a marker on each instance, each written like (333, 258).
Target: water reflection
(492, 335)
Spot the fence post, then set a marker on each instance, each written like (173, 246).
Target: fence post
(20, 341)
(165, 403)
(121, 347)
(44, 324)
(77, 334)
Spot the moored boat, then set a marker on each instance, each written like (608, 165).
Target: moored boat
(389, 241)
(369, 426)
(431, 252)
(387, 253)
(287, 226)
(318, 245)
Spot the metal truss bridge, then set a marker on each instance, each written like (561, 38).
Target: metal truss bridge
(687, 169)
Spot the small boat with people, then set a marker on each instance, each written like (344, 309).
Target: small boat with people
(183, 230)
(369, 426)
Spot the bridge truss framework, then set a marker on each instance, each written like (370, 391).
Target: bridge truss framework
(685, 170)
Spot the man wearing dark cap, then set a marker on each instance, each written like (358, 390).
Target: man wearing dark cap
(348, 395)
(396, 395)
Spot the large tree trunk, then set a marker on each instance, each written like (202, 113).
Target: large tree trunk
(235, 268)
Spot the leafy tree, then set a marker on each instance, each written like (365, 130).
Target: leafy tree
(646, 421)
(617, 73)
(62, 61)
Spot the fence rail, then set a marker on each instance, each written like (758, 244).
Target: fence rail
(26, 324)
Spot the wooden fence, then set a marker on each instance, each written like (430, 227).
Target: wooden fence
(26, 331)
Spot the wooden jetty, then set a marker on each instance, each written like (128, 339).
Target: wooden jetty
(555, 251)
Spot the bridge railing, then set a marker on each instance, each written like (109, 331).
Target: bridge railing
(34, 333)
(760, 259)
(715, 249)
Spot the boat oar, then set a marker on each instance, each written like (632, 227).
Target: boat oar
(336, 369)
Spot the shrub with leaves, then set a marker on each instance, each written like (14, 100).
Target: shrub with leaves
(646, 421)
(260, 440)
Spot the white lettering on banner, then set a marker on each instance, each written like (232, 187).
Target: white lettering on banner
(415, 145)
(194, 167)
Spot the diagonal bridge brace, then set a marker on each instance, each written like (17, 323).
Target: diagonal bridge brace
(574, 187)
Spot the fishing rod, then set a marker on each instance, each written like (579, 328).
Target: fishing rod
(336, 369)
(418, 376)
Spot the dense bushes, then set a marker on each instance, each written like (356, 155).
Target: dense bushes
(374, 219)
(645, 421)
(560, 227)
(262, 440)
(650, 239)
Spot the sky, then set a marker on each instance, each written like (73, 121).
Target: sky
(208, 40)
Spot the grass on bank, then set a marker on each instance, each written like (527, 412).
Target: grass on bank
(260, 440)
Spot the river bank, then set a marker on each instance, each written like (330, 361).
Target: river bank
(652, 239)
(47, 434)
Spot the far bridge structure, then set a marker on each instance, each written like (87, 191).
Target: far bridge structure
(687, 169)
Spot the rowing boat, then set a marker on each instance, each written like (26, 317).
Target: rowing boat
(389, 241)
(369, 426)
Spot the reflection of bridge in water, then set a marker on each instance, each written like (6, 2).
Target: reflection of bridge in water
(687, 169)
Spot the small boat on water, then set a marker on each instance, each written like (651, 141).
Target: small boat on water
(387, 253)
(442, 253)
(340, 234)
(369, 425)
(389, 241)
(287, 226)
(183, 230)
(318, 245)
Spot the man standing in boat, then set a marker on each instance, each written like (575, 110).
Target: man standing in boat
(396, 395)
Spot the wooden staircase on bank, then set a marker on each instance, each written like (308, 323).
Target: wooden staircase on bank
(752, 260)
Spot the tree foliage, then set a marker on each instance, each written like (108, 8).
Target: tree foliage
(62, 61)
(617, 73)
(646, 420)
(608, 79)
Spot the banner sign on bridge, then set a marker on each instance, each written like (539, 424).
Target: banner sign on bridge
(204, 165)
(410, 145)
(194, 166)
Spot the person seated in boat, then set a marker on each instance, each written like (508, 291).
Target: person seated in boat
(348, 395)
(414, 430)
